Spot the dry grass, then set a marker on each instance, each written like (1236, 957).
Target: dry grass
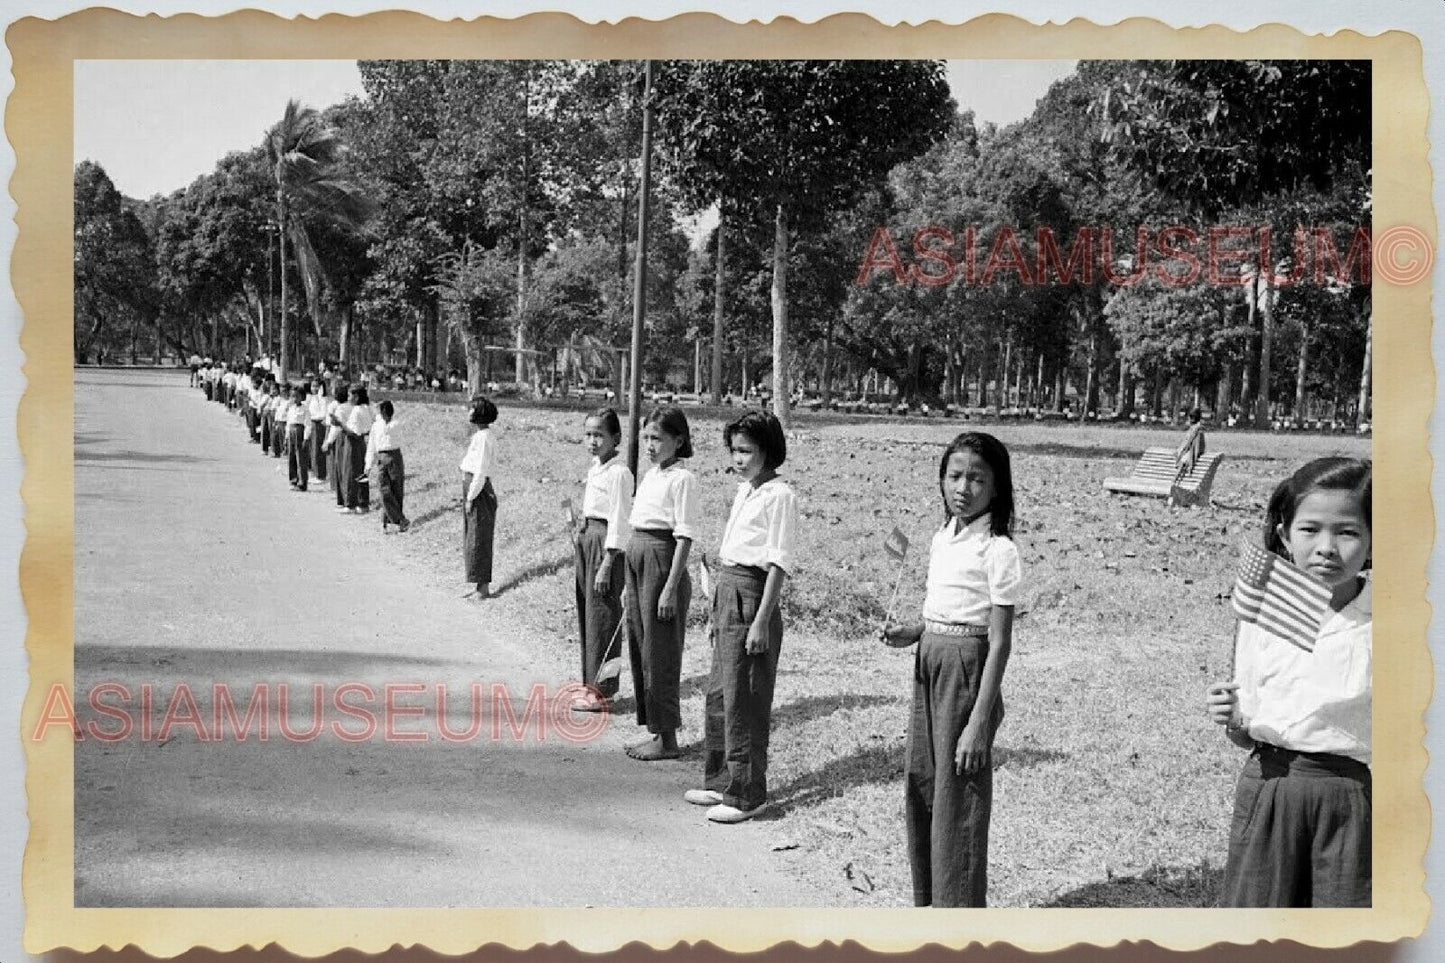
(1111, 787)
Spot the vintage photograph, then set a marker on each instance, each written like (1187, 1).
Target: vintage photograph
(852, 483)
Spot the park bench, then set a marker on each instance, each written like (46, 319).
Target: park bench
(1157, 474)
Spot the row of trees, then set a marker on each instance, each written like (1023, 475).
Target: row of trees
(467, 204)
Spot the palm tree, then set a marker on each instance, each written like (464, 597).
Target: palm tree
(311, 184)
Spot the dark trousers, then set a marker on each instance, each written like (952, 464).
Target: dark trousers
(341, 467)
(253, 423)
(278, 437)
(598, 613)
(947, 814)
(391, 476)
(1301, 832)
(358, 489)
(318, 450)
(266, 426)
(655, 645)
(739, 708)
(297, 457)
(479, 524)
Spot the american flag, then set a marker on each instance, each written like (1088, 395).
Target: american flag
(896, 544)
(1279, 598)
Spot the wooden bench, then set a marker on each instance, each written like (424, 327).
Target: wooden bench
(1157, 474)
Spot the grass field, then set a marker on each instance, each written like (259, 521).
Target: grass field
(1111, 787)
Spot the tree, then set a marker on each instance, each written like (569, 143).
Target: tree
(794, 140)
(305, 157)
(114, 265)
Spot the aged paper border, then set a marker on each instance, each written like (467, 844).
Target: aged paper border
(38, 123)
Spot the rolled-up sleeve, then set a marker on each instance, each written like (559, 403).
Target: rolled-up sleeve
(686, 509)
(782, 529)
(1005, 573)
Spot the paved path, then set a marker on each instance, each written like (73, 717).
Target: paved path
(195, 565)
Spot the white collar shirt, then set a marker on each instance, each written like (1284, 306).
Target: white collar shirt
(1310, 701)
(480, 460)
(316, 406)
(608, 497)
(667, 498)
(762, 528)
(359, 419)
(296, 414)
(969, 572)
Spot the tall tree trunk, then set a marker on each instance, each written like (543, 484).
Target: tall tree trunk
(1222, 394)
(781, 402)
(1266, 344)
(1126, 390)
(520, 371)
(1091, 382)
(283, 364)
(826, 387)
(1363, 412)
(343, 341)
(718, 293)
(1060, 387)
(1301, 371)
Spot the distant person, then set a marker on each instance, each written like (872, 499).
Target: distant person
(280, 403)
(298, 439)
(963, 647)
(1192, 448)
(479, 498)
(1300, 835)
(337, 411)
(600, 540)
(357, 427)
(665, 515)
(316, 405)
(195, 362)
(383, 452)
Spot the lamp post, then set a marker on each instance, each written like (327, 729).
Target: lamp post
(639, 290)
(269, 315)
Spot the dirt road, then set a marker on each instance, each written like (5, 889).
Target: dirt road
(196, 566)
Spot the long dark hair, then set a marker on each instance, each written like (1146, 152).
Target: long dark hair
(995, 455)
(1322, 474)
(610, 422)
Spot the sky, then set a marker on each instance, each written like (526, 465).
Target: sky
(156, 125)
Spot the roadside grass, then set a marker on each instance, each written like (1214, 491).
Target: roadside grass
(1111, 788)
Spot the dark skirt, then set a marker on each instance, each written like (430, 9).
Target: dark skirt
(655, 645)
(318, 449)
(598, 615)
(739, 708)
(947, 815)
(479, 523)
(1301, 832)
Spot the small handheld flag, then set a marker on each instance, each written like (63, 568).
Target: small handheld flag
(896, 545)
(1279, 598)
(569, 511)
(705, 575)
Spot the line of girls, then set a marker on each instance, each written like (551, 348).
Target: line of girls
(315, 433)
(1301, 830)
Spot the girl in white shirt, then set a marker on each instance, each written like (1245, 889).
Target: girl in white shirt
(600, 539)
(336, 414)
(755, 557)
(358, 427)
(964, 643)
(1301, 829)
(479, 500)
(664, 522)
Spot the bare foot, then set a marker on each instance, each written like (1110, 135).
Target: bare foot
(654, 749)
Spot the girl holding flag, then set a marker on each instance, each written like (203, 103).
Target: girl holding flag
(600, 539)
(1300, 697)
(964, 642)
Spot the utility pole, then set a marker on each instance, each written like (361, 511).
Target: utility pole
(639, 290)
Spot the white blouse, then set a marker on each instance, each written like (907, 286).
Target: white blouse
(762, 528)
(358, 422)
(480, 460)
(608, 496)
(1310, 701)
(970, 572)
(667, 498)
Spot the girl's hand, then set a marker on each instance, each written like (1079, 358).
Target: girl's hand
(667, 603)
(898, 636)
(1223, 703)
(971, 755)
(603, 581)
(757, 639)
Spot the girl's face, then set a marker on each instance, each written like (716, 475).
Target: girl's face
(660, 446)
(967, 485)
(747, 457)
(599, 442)
(1328, 537)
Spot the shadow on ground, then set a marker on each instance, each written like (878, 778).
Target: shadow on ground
(1156, 887)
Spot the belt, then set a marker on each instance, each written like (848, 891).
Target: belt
(955, 628)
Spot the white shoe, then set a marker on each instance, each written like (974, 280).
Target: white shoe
(723, 813)
(703, 797)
